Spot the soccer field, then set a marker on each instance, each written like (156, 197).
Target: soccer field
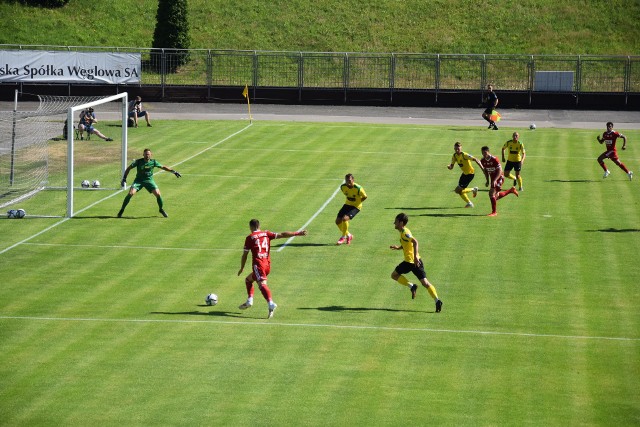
(103, 320)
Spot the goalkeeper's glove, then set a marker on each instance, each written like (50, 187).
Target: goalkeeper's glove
(177, 174)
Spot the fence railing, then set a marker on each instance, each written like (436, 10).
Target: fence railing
(389, 71)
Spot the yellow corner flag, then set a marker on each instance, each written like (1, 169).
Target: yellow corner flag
(245, 93)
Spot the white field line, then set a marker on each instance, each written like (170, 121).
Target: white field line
(446, 154)
(118, 192)
(325, 326)
(157, 248)
(177, 249)
(214, 145)
(290, 239)
(62, 221)
(263, 178)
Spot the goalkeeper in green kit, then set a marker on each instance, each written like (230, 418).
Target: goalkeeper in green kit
(144, 179)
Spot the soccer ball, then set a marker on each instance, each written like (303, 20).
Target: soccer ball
(85, 184)
(12, 213)
(532, 126)
(20, 213)
(95, 184)
(211, 299)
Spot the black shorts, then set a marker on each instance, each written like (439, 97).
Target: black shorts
(349, 211)
(513, 165)
(404, 267)
(465, 180)
(488, 111)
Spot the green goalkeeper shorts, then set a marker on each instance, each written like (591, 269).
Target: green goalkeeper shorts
(150, 185)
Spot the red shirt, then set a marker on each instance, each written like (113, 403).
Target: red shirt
(259, 243)
(492, 166)
(610, 139)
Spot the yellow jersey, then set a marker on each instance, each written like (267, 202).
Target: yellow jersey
(354, 195)
(406, 240)
(464, 161)
(515, 149)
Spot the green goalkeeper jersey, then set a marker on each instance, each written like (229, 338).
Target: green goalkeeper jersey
(144, 169)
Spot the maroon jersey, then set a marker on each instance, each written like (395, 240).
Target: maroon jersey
(492, 166)
(259, 243)
(610, 138)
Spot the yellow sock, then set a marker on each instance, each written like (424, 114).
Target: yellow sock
(341, 227)
(510, 176)
(403, 281)
(432, 292)
(464, 196)
(345, 231)
(520, 181)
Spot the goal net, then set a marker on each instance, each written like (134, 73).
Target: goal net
(44, 157)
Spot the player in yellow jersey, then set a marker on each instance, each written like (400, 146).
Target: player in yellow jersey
(463, 160)
(355, 195)
(412, 261)
(515, 159)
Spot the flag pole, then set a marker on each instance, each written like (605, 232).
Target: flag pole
(245, 93)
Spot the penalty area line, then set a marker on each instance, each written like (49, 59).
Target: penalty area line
(7, 249)
(290, 239)
(158, 248)
(62, 221)
(326, 326)
(213, 145)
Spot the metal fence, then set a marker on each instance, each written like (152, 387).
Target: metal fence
(390, 71)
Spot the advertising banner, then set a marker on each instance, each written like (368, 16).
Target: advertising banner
(36, 66)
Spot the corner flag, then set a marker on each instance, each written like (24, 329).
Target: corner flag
(245, 93)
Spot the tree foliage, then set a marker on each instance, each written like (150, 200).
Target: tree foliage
(171, 33)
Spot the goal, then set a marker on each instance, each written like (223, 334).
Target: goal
(72, 112)
(40, 149)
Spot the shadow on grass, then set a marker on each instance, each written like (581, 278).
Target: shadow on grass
(200, 313)
(572, 180)
(449, 215)
(616, 230)
(437, 215)
(359, 309)
(419, 209)
(303, 244)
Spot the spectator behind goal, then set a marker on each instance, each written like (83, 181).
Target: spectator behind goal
(87, 119)
(135, 111)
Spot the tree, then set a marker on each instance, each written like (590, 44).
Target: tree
(171, 34)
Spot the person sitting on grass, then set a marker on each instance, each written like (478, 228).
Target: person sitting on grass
(87, 119)
(135, 111)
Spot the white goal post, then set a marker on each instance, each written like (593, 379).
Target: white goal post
(71, 112)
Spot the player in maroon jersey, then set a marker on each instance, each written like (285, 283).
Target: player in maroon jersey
(495, 179)
(609, 137)
(259, 244)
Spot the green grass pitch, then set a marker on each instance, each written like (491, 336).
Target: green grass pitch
(103, 321)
